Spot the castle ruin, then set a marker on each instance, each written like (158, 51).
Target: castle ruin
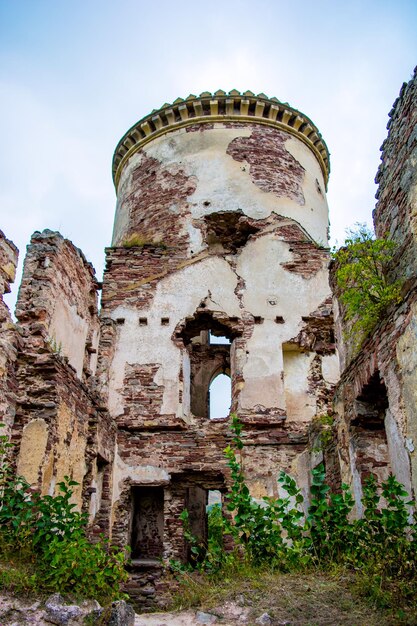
(218, 267)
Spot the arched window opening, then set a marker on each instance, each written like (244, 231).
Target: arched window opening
(209, 339)
(220, 396)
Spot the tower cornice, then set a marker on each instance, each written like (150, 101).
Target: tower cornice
(210, 108)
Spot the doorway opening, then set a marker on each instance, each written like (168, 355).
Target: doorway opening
(147, 523)
(204, 508)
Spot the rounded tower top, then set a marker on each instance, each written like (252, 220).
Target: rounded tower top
(221, 107)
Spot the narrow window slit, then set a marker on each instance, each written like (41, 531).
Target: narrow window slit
(220, 393)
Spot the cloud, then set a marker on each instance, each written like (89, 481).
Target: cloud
(51, 176)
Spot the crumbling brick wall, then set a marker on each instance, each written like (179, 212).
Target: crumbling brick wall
(9, 339)
(57, 301)
(220, 230)
(60, 427)
(395, 213)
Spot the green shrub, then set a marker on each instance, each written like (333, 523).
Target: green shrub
(49, 535)
(381, 547)
(362, 276)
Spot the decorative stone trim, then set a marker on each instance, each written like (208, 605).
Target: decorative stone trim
(221, 107)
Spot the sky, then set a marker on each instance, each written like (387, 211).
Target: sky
(75, 76)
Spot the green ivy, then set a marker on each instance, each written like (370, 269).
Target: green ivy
(362, 276)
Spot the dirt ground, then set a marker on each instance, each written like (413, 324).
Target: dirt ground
(278, 600)
(313, 599)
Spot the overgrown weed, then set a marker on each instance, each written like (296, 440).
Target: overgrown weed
(363, 276)
(43, 541)
(378, 552)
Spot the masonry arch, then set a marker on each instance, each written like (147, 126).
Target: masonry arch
(208, 342)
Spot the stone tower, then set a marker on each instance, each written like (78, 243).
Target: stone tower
(218, 265)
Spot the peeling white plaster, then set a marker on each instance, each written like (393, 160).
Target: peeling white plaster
(330, 368)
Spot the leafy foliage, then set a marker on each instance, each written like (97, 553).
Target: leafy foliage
(362, 276)
(49, 535)
(276, 533)
(260, 527)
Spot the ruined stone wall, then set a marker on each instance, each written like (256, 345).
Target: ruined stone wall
(374, 425)
(60, 427)
(57, 301)
(168, 188)
(376, 398)
(146, 283)
(242, 237)
(221, 229)
(395, 213)
(8, 335)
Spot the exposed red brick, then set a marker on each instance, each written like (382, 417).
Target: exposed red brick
(397, 178)
(199, 128)
(55, 270)
(272, 168)
(318, 331)
(143, 400)
(154, 191)
(9, 337)
(377, 359)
